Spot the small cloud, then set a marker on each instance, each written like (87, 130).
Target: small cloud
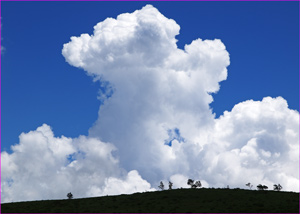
(2, 49)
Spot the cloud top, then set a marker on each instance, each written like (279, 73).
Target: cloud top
(136, 35)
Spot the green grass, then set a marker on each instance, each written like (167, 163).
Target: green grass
(169, 201)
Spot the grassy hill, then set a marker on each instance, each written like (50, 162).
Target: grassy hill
(169, 201)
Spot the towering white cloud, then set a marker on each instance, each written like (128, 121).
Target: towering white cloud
(156, 86)
(155, 122)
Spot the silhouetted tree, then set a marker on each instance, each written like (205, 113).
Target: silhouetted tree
(261, 187)
(190, 182)
(170, 185)
(277, 187)
(249, 185)
(69, 195)
(194, 185)
(197, 184)
(161, 186)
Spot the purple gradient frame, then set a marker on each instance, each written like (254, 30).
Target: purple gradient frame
(129, 0)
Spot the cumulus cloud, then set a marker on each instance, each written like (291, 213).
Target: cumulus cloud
(132, 183)
(157, 87)
(258, 141)
(2, 49)
(155, 122)
(46, 167)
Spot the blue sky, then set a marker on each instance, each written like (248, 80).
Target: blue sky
(157, 124)
(38, 86)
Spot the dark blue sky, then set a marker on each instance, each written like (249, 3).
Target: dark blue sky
(38, 86)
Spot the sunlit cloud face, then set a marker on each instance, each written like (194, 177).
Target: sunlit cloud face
(46, 167)
(156, 86)
(155, 122)
(257, 141)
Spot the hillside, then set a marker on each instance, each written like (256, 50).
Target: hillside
(169, 201)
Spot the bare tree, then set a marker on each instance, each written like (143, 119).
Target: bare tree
(170, 185)
(161, 186)
(249, 185)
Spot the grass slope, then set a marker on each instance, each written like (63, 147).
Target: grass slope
(169, 201)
